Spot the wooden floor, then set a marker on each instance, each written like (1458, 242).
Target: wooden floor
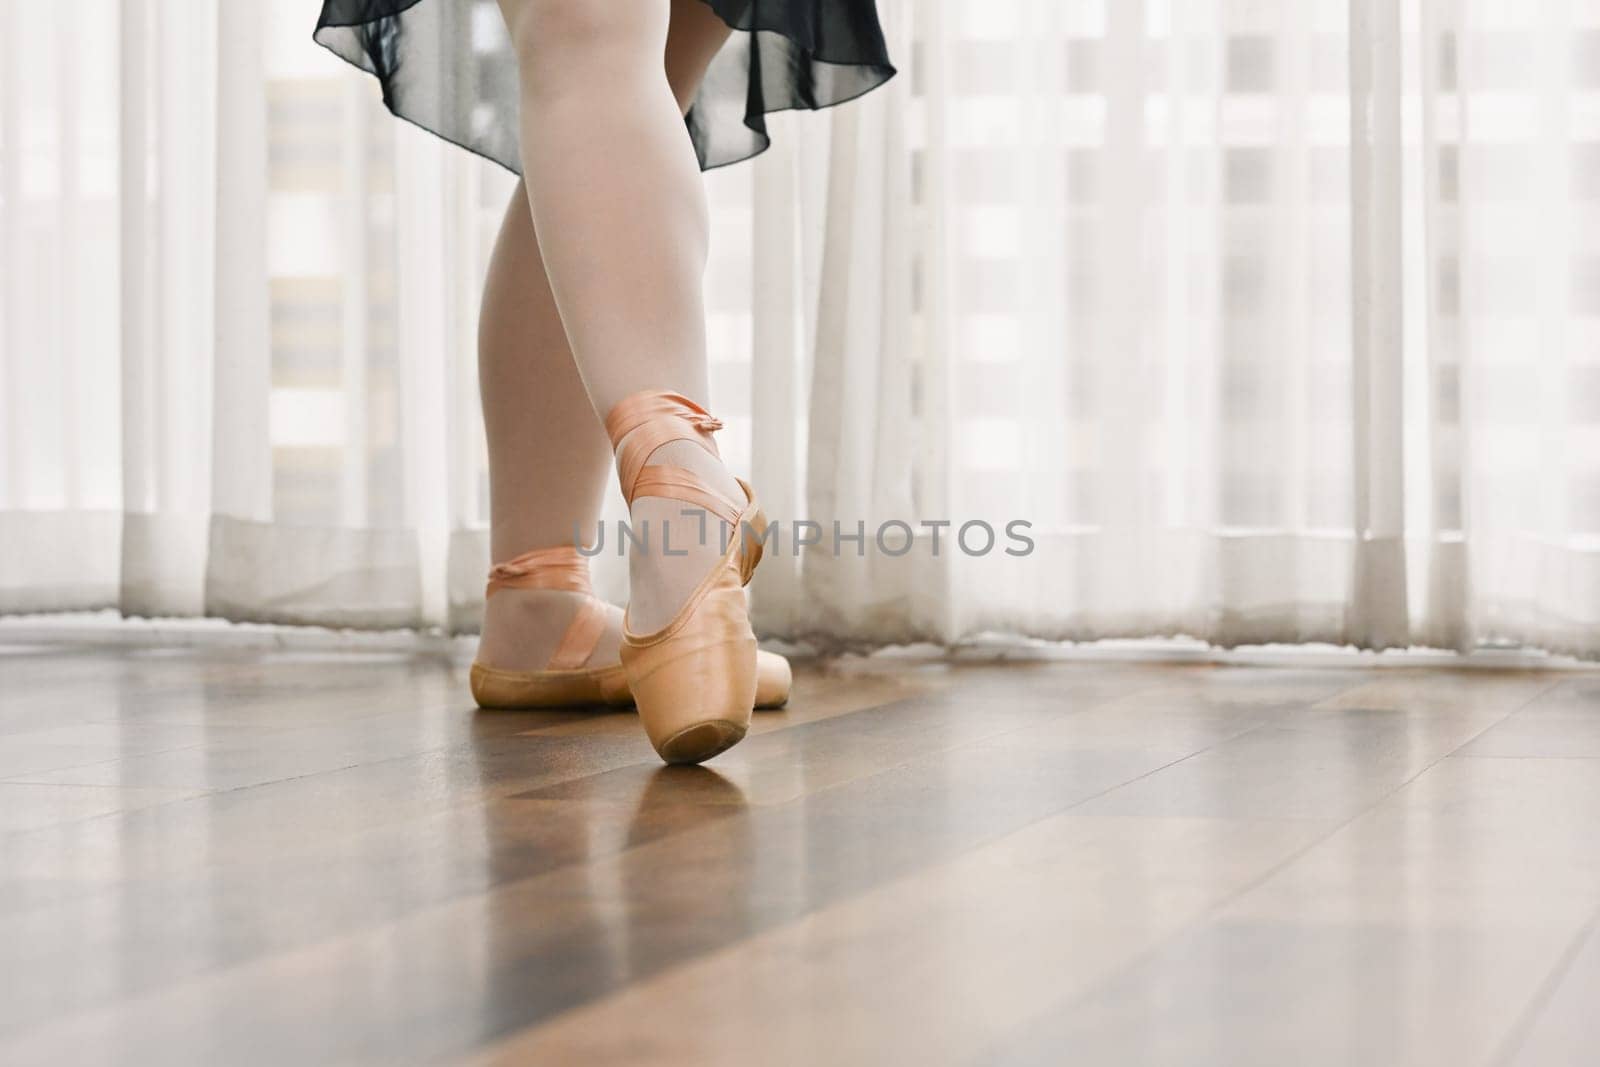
(244, 858)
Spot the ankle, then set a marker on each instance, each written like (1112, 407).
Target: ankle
(697, 460)
(522, 628)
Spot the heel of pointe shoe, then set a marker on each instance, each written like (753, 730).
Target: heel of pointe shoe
(697, 703)
(499, 690)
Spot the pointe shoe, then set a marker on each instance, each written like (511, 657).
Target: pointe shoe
(567, 683)
(694, 679)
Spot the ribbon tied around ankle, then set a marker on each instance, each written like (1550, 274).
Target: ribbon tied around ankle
(560, 567)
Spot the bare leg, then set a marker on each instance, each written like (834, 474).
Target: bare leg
(619, 206)
(548, 452)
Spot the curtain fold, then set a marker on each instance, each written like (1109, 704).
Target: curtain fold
(1267, 322)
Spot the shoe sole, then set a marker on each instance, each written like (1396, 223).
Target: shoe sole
(700, 742)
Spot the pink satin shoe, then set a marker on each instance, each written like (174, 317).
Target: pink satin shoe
(567, 682)
(695, 679)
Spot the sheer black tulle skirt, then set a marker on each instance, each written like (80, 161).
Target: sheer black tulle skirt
(446, 65)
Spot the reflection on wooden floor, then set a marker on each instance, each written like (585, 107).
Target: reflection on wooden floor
(230, 858)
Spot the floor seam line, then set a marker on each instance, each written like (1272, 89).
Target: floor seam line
(1208, 914)
(1515, 1038)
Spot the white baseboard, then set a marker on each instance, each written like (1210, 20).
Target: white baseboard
(107, 628)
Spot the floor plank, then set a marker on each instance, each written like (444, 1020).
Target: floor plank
(212, 856)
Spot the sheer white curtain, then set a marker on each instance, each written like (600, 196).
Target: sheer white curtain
(1280, 322)
(1276, 322)
(239, 306)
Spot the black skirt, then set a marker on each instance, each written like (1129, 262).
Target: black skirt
(446, 65)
